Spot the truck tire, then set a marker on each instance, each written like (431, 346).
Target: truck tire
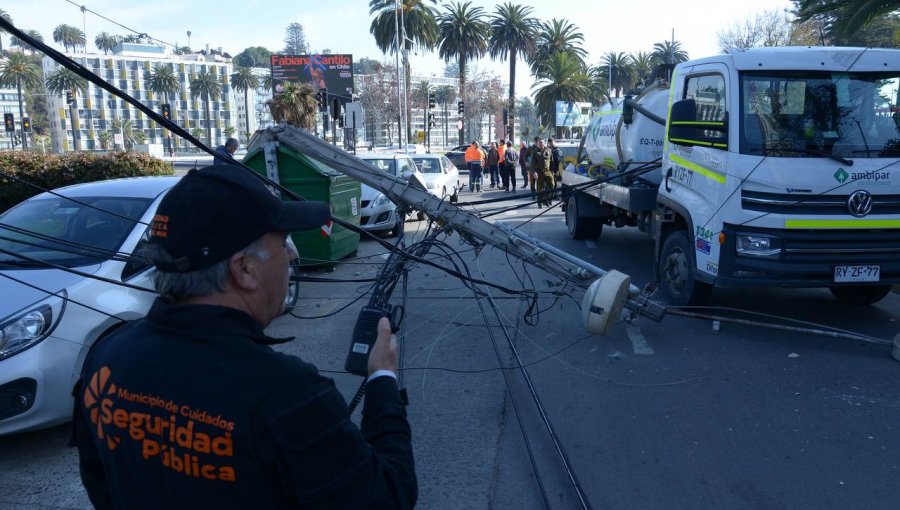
(860, 294)
(581, 227)
(676, 272)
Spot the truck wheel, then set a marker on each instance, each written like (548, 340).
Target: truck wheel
(676, 272)
(581, 227)
(860, 294)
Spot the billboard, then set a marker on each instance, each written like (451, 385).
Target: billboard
(573, 114)
(332, 72)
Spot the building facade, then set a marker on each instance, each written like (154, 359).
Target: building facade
(128, 68)
(9, 103)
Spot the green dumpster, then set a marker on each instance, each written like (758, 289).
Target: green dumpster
(313, 180)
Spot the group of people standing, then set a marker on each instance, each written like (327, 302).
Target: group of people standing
(539, 165)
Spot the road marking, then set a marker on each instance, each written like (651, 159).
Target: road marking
(590, 244)
(511, 213)
(638, 341)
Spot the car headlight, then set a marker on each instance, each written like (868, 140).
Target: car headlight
(381, 200)
(758, 246)
(26, 329)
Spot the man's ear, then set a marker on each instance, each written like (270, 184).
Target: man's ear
(244, 272)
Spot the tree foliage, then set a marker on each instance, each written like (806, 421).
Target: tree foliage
(844, 18)
(69, 37)
(295, 105)
(254, 56)
(294, 39)
(557, 36)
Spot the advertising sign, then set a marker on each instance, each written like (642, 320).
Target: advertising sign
(331, 72)
(573, 114)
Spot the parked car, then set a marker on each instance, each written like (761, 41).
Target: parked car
(377, 212)
(457, 156)
(49, 317)
(441, 176)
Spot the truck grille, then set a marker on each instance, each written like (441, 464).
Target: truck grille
(841, 246)
(779, 203)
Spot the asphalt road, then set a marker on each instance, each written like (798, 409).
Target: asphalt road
(655, 415)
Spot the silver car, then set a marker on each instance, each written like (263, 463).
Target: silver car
(378, 213)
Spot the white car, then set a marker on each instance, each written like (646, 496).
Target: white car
(377, 212)
(441, 175)
(50, 317)
(44, 338)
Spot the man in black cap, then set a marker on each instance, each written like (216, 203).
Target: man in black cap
(191, 408)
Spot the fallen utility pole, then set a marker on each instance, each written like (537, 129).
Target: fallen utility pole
(607, 292)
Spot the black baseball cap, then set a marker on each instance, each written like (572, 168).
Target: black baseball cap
(216, 211)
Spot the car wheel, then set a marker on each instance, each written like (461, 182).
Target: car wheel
(293, 293)
(858, 295)
(676, 271)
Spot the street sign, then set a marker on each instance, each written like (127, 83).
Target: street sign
(420, 136)
(119, 139)
(459, 124)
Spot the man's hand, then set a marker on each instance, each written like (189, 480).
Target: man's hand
(384, 353)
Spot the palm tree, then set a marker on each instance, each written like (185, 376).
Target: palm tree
(669, 52)
(7, 18)
(445, 95)
(618, 71)
(557, 36)
(229, 131)
(125, 128)
(198, 132)
(140, 137)
(163, 82)
(295, 105)
(106, 42)
(67, 35)
(64, 80)
(464, 36)
(419, 30)
(266, 81)
(846, 17)
(243, 80)
(18, 70)
(643, 63)
(104, 138)
(207, 86)
(34, 34)
(513, 32)
(564, 79)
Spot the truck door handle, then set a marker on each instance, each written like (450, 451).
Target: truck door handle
(668, 174)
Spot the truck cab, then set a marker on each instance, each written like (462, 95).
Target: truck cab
(780, 168)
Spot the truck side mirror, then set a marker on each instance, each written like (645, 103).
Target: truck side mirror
(685, 128)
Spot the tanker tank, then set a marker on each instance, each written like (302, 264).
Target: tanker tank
(609, 142)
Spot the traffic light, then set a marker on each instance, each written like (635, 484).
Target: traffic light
(505, 117)
(460, 107)
(166, 111)
(69, 98)
(340, 121)
(431, 100)
(26, 124)
(9, 122)
(431, 122)
(322, 98)
(16, 141)
(335, 108)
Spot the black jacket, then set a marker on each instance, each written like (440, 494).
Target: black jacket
(190, 408)
(222, 157)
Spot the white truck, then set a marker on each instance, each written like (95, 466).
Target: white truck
(766, 167)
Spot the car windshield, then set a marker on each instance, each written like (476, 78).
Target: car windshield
(428, 165)
(820, 114)
(67, 233)
(385, 165)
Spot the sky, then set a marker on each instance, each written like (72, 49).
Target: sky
(343, 25)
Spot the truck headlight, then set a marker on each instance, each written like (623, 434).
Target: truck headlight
(381, 200)
(25, 329)
(758, 246)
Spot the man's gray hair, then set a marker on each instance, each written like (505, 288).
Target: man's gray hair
(232, 142)
(176, 287)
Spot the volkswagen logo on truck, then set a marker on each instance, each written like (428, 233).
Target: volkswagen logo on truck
(860, 203)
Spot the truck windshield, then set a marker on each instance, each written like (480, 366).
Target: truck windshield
(828, 114)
